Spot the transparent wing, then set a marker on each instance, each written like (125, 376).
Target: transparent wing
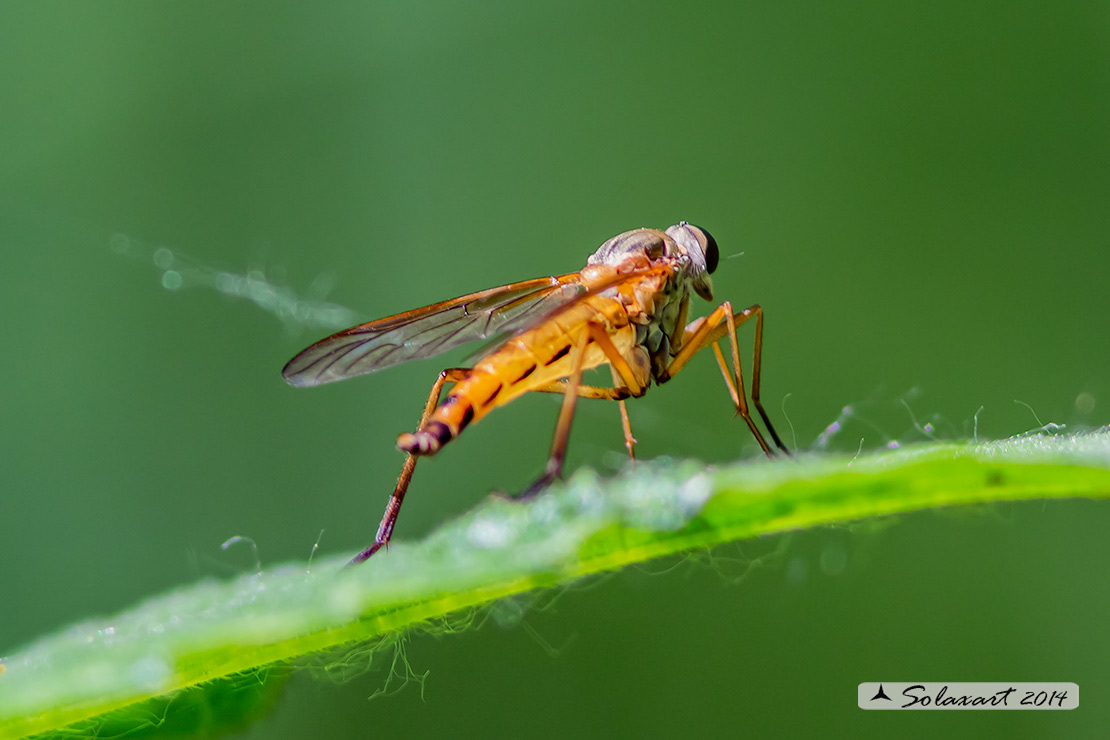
(432, 330)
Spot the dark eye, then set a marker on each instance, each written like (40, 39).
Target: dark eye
(712, 254)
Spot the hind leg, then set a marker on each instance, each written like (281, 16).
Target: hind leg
(393, 508)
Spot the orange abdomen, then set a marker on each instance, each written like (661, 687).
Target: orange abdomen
(528, 361)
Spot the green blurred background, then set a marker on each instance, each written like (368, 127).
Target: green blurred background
(918, 194)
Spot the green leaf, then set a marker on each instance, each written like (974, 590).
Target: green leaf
(204, 655)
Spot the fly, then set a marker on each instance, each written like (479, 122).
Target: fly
(627, 309)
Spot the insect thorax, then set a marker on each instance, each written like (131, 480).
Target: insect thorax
(657, 304)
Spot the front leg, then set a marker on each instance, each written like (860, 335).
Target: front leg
(710, 330)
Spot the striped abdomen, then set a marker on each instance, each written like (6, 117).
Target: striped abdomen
(526, 362)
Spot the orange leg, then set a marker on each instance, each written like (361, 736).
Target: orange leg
(711, 330)
(629, 440)
(584, 391)
(622, 371)
(617, 394)
(554, 467)
(571, 389)
(393, 508)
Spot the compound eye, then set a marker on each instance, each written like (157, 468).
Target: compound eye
(712, 254)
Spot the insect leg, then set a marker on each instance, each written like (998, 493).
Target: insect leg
(629, 440)
(393, 508)
(617, 393)
(622, 371)
(710, 330)
(757, 355)
(554, 468)
(584, 391)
